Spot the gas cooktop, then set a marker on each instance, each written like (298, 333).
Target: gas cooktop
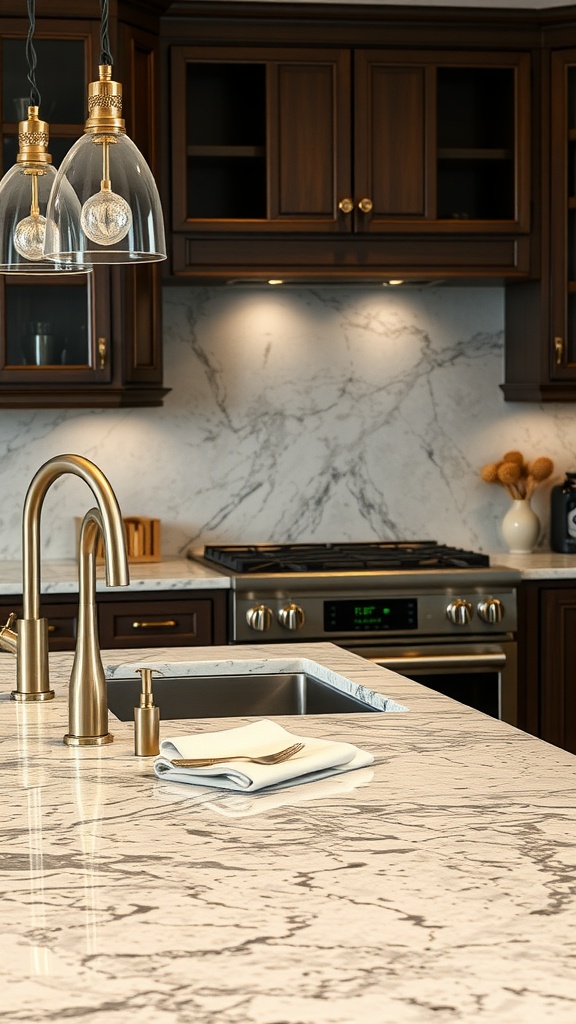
(377, 556)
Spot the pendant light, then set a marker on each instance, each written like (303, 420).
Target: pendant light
(104, 206)
(26, 187)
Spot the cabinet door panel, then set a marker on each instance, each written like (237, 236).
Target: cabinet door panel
(442, 142)
(306, 171)
(390, 141)
(558, 685)
(261, 140)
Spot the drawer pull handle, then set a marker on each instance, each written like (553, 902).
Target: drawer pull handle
(166, 624)
(559, 350)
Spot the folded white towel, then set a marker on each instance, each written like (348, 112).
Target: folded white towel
(317, 759)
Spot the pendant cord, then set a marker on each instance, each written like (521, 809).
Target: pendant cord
(105, 56)
(31, 55)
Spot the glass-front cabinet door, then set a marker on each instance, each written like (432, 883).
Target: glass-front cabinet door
(561, 353)
(53, 329)
(442, 142)
(260, 139)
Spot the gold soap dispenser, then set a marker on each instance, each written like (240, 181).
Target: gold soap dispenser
(146, 719)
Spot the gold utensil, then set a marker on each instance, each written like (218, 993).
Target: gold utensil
(205, 762)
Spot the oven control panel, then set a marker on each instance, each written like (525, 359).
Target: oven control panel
(283, 616)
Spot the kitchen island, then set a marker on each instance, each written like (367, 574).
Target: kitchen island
(438, 884)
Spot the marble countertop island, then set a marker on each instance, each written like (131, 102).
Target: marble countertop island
(438, 884)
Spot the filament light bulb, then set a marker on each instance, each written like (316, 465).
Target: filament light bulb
(29, 237)
(106, 217)
(30, 231)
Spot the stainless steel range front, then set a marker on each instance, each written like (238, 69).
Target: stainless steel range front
(439, 615)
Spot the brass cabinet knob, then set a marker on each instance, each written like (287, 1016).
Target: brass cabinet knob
(559, 350)
(365, 205)
(346, 205)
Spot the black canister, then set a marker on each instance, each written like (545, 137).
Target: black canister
(563, 516)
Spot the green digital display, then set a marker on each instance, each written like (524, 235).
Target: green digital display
(374, 616)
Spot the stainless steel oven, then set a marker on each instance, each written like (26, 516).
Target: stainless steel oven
(482, 675)
(443, 617)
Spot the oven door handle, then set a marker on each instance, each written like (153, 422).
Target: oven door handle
(419, 662)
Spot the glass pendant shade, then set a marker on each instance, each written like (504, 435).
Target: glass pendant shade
(104, 206)
(24, 193)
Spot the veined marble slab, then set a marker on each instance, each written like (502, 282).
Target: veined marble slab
(61, 576)
(435, 886)
(540, 565)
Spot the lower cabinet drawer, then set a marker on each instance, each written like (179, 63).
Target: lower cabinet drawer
(170, 623)
(62, 620)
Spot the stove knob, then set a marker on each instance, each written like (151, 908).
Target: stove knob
(491, 610)
(459, 612)
(291, 616)
(259, 617)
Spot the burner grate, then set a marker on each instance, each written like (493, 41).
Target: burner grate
(374, 556)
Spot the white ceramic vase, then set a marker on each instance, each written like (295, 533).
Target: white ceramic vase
(520, 528)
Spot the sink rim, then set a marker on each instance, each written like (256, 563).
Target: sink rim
(254, 667)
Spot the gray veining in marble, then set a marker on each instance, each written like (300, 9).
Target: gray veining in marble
(438, 885)
(306, 414)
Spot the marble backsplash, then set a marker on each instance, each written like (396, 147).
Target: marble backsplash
(319, 414)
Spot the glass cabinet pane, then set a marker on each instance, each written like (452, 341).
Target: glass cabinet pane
(63, 94)
(48, 326)
(475, 132)
(226, 140)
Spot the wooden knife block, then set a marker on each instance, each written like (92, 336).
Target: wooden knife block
(142, 539)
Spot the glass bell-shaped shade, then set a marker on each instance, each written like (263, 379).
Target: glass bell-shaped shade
(104, 206)
(24, 193)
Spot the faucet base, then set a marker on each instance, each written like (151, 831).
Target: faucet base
(22, 695)
(87, 741)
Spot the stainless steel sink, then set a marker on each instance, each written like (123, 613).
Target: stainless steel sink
(229, 696)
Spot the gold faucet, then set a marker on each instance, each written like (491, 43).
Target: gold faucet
(30, 639)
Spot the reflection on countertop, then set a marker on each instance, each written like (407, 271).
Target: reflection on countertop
(436, 885)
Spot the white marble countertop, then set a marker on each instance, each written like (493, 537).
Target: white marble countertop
(540, 565)
(61, 577)
(436, 885)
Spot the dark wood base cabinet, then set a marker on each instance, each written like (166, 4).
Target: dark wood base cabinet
(547, 662)
(159, 619)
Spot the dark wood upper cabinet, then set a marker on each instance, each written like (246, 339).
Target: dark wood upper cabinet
(348, 163)
(541, 314)
(92, 340)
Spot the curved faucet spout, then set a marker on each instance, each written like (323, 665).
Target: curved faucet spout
(87, 698)
(112, 526)
(32, 630)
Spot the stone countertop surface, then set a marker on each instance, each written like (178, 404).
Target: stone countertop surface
(61, 577)
(540, 565)
(439, 884)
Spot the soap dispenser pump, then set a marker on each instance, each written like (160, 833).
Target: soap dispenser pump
(146, 719)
